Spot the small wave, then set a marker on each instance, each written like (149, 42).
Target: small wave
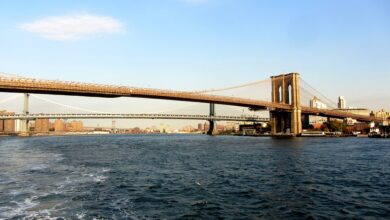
(81, 215)
(41, 216)
(95, 177)
(105, 170)
(99, 178)
(21, 191)
(20, 209)
(38, 167)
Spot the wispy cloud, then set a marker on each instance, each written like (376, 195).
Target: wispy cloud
(73, 27)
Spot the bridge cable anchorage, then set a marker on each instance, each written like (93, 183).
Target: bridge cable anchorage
(67, 106)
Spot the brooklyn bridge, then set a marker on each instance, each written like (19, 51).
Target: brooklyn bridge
(285, 108)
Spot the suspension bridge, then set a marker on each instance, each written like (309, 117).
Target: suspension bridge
(284, 103)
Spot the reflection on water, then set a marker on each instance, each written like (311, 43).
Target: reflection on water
(193, 176)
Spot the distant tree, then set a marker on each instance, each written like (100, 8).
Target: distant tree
(324, 127)
(334, 126)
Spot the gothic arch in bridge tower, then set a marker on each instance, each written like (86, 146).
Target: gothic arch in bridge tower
(285, 90)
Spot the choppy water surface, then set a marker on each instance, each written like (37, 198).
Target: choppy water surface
(193, 176)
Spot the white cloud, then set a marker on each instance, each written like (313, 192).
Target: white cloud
(73, 27)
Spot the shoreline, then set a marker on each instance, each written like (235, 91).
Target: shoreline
(281, 136)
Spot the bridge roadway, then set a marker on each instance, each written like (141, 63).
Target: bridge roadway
(133, 116)
(30, 85)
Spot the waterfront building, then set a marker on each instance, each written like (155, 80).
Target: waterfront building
(206, 126)
(164, 128)
(350, 121)
(188, 128)
(2, 112)
(18, 125)
(9, 124)
(42, 125)
(315, 120)
(230, 126)
(200, 127)
(382, 114)
(342, 103)
(363, 128)
(59, 125)
(219, 127)
(317, 103)
(75, 126)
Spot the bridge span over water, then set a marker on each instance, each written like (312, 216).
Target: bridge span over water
(285, 106)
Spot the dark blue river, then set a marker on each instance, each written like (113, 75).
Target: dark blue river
(193, 177)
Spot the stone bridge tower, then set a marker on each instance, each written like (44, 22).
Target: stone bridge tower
(286, 90)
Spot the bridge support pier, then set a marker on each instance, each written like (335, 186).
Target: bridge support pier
(285, 90)
(212, 124)
(24, 128)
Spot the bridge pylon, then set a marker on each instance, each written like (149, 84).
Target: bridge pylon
(286, 90)
(24, 128)
(212, 124)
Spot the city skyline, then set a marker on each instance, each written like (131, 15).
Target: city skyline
(201, 44)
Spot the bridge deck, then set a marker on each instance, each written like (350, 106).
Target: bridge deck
(26, 85)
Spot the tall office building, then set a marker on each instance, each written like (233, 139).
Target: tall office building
(315, 119)
(317, 103)
(342, 103)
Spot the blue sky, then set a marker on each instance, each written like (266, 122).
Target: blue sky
(340, 47)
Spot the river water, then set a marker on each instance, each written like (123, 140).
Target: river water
(193, 177)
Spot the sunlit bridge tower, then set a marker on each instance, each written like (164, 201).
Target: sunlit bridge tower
(285, 90)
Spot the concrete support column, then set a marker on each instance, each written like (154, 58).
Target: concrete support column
(212, 125)
(24, 123)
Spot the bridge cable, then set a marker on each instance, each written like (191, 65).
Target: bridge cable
(315, 90)
(68, 106)
(233, 87)
(10, 98)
